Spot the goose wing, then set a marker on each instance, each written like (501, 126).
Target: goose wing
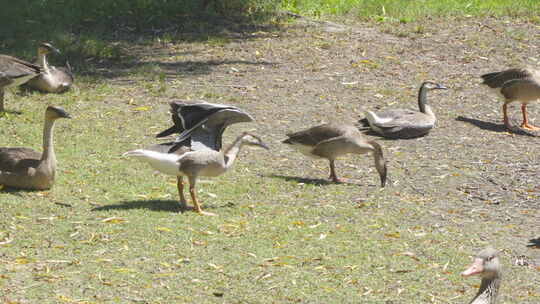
(315, 135)
(203, 123)
(13, 158)
(15, 68)
(498, 79)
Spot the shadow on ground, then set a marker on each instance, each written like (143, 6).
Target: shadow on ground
(306, 180)
(490, 126)
(157, 205)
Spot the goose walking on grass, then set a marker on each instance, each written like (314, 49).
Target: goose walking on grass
(331, 141)
(403, 123)
(521, 85)
(52, 79)
(486, 264)
(25, 168)
(14, 72)
(197, 151)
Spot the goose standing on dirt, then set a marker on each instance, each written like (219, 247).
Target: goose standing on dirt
(521, 85)
(26, 168)
(402, 123)
(14, 72)
(486, 264)
(52, 79)
(331, 141)
(197, 151)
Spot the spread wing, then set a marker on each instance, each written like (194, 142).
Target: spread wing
(203, 123)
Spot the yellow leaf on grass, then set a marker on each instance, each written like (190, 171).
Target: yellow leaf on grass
(113, 220)
(392, 235)
(143, 108)
(22, 260)
(163, 229)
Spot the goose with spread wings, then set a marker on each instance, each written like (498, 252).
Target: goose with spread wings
(197, 150)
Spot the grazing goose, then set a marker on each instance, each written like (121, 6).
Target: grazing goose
(26, 168)
(402, 123)
(198, 149)
(331, 141)
(52, 79)
(521, 85)
(14, 72)
(486, 264)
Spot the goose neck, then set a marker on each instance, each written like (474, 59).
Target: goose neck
(487, 293)
(48, 147)
(232, 151)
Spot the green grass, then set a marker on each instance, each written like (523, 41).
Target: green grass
(406, 11)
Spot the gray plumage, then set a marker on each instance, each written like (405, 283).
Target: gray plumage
(52, 79)
(197, 151)
(14, 72)
(486, 264)
(521, 85)
(202, 124)
(26, 168)
(404, 123)
(331, 141)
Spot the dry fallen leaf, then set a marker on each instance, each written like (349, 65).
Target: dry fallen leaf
(113, 220)
(143, 108)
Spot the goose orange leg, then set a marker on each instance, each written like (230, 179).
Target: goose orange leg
(505, 116)
(333, 175)
(180, 186)
(192, 192)
(525, 124)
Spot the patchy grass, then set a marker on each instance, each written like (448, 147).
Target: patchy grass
(109, 231)
(407, 11)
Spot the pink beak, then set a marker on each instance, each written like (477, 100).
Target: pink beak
(476, 267)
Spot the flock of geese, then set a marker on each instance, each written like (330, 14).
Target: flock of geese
(197, 149)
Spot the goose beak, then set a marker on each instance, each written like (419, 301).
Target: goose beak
(441, 87)
(57, 51)
(476, 267)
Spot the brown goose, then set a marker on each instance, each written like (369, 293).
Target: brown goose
(198, 149)
(14, 72)
(26, 168)
(486, 264)
(52, 79)
(331, 141)
(521, 85)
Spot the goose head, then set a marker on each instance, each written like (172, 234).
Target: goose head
(430, 85)
(486, 264)
(47, 48)
(53, 113)
(253, 140)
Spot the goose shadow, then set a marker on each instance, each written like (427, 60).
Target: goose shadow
(157, 205)
(306, 180)
(534, 243)
(494, 127)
